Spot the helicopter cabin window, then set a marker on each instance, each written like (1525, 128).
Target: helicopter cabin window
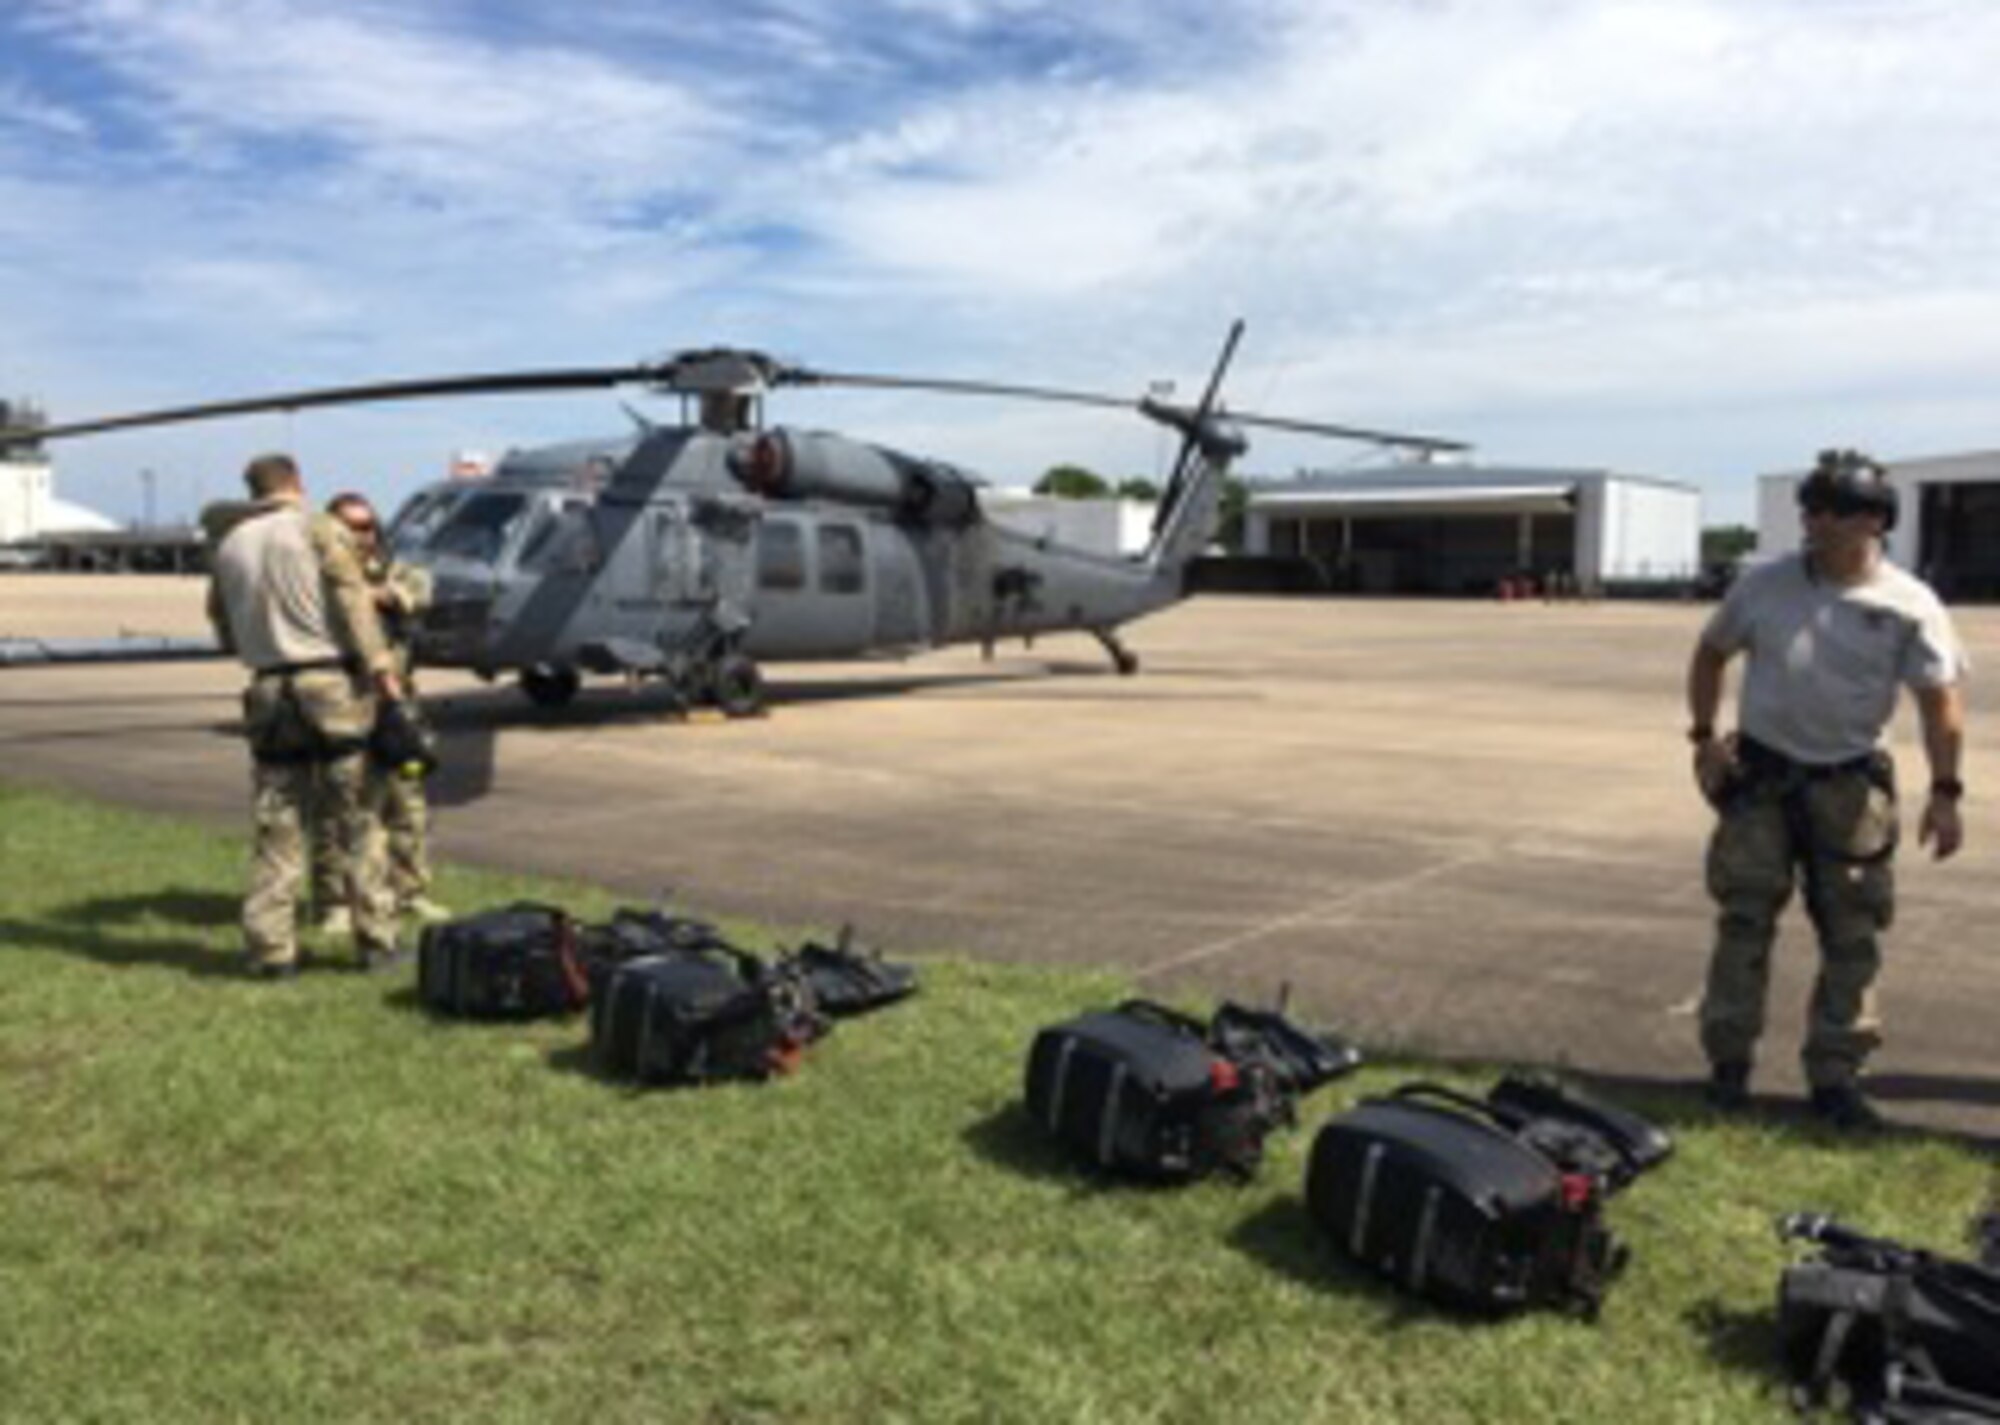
(781, 555)
(478, 528)
(562, 539)
(840, 566)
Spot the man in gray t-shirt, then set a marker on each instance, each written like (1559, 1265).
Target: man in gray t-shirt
(1803, 792)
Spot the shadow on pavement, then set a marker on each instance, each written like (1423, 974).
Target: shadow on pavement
(1894, 1088)
(1675, 1101)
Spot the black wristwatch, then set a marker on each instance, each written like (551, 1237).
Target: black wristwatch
(1701, 732)
(1950, 788)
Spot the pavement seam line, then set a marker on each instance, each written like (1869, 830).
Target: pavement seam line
(1311, 913)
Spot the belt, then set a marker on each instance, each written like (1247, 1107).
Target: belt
(1766, 757)
(310, 665)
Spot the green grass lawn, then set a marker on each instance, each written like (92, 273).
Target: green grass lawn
(225, 1200)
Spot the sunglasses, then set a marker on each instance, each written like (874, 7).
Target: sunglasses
(1841, 507)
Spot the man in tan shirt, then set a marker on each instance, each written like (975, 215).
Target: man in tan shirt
(289, 598)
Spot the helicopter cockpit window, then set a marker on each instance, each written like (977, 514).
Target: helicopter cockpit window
(781, 555)
(420, 516)
(479, 527)
(563, 538)
(840, 566)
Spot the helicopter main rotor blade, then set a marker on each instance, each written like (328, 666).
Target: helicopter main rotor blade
(800, 376)
(492, 384)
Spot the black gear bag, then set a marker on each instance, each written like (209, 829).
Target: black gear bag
(1896, 1334)
(694, 1015)
(522, 961)
(1475, 1204)
(1149, 1091)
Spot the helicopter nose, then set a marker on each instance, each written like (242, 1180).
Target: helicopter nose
(454, 626)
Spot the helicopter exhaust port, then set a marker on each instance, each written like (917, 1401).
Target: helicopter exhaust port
(804, 465)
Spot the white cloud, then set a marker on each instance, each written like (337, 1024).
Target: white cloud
(1531, 222)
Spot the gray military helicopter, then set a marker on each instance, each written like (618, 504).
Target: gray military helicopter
(689, 553)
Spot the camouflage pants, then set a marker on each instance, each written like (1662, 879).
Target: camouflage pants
(398, 814)
(1833, 835)
(286, 798)
(306, 731)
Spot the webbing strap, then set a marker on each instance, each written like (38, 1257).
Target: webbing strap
(1107, 1119)
(1364, 1205)
(1061, 1085)
(1830, 1346)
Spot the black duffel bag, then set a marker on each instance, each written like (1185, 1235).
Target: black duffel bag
(1449, 1199)
(1895, 1333)
(698, 1014)
(1142, 1090)
(521, 961)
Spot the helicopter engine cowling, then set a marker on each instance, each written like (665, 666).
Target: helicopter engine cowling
(806, 465)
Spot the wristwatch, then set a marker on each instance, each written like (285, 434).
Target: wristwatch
(1950, 788)
(1701, 732)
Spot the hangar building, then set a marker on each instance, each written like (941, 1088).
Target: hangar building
(1461, 529)
(1948, 530)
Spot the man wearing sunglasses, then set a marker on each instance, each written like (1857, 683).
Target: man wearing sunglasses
(396, 797)
(1804, 793)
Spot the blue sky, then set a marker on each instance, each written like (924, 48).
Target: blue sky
(1696, 239)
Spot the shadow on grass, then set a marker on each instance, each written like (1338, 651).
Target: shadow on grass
(1009, 1139)
(94, 942)
(181, 905)
(1743, 1341)
(1283, 1237)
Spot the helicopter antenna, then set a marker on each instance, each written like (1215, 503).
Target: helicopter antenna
(646, 424)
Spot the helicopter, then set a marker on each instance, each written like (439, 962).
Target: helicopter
(690, 554)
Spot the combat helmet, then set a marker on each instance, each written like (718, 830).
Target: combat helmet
(1846, 482)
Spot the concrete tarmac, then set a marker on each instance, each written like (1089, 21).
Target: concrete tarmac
(1463, 828)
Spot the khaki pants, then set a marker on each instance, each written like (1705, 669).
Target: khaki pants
(1834, 835)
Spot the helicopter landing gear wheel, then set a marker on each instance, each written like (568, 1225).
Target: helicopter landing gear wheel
(1122, 658)
(550, 687)
(739, 687)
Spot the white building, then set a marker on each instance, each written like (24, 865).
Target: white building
(1460, 529)
(29, 508)
(1110, 527)
(1948, 528)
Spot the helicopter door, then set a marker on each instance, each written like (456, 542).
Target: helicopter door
(812, 589)
(683, 574)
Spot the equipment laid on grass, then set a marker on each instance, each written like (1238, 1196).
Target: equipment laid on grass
(522, 961)
(1150, 1091)
(847, 981)
(700, 1014)
(631, 933)
(1894, 1333)
(1537, 1105)
(1490, 1205)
